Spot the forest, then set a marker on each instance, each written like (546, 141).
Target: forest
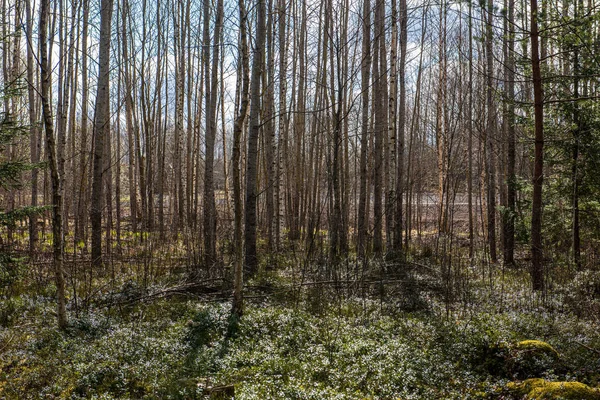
(296, 199)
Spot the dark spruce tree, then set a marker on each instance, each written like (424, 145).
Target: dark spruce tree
(11, 169)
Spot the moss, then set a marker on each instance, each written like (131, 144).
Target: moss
(532, 358)
(538, 346)
(540, 389)
(525, 387)
(567, 390)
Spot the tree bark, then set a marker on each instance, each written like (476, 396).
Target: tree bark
(575, 228)
(537, 267)
(511, 189)
(489, 137)
(363, 212)
(57, 227)
(470, 140)
(381, 123)
(101, 130)
(251, 259)
(238, 277)
(401, 126)
(33, 130)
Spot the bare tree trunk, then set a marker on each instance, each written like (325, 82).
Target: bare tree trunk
(129, 119)
(108, 190)
(312, 201)
(401, 126)
(282, 156)
(363, 212)
(149, 101)
(192, 121)
(73, 178)
(226, 170)
(161, 165)
(575, 229)
(297, 176)
(141, 131)
(179, 40)
(537, 267)
(118, 160)
(160, 132)
(210, 218)
(392, 170)
(440, 128)
(489, 137)
(268, 111)
(414, 126)
(57, 227)
(33, 130)
(61, 97)
(238, 286)
(511, 190)
(347, 53)
(379, 98)
(470, 139)
(332, 130)
(251, 259)
(101, 130)
(82, 197)
(69, 93)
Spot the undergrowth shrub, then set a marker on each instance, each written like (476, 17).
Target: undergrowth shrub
(328, 345)
(582, 294)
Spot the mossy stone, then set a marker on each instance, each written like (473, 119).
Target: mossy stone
(540, 389)
(538, 346)
(532, 358)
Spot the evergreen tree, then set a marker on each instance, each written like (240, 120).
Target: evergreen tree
(11, 129)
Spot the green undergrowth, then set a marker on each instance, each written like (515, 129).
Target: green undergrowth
(351, 349)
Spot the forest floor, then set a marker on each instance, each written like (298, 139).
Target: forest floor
(411, 335)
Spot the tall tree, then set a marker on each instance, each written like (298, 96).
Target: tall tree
(238, 286)
(82, 196)
(381, 123)
(57, 224)
(283, 119)
(392, 169)
(270, 134)
(129, 116)
(575, 227)
(297, 175)
(101, 130)
(440, 127)
(251, 258)
(537, 268)
(490, 162)
(401, 124)
(470, 140)
(337, 235)
(509, 117)
(210, 218)
(363, 211)
(33, 128)
(179, 40)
